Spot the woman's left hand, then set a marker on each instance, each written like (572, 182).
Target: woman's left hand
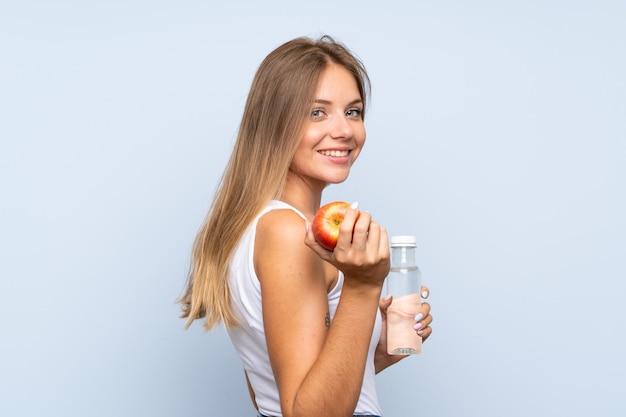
(422, 328)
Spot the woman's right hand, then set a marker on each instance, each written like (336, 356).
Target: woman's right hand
(362, 251)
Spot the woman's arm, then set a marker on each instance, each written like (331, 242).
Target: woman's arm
(319, 368)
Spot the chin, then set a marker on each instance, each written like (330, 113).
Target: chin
(337, 180)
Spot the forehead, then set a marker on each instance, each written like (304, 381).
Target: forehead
(336, 81)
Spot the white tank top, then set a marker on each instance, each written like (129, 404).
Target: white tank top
(249, 338)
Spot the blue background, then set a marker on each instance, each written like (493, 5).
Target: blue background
(496, 135)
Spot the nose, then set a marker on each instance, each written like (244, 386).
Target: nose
(341, 128)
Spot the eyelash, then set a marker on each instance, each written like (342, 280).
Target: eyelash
(358, 112)
(314, 115)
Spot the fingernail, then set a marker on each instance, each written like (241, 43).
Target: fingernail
(420, 332)
(417, 326)
(306, 226)
(419, 316)
(387, 298)
(425, 294)
(355, 205)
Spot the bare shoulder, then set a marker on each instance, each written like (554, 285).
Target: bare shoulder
(280, 243)
(280, 252)
(282, 225)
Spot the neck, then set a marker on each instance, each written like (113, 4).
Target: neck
(302, 194)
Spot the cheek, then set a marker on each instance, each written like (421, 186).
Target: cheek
(360, 139)
(357, 151)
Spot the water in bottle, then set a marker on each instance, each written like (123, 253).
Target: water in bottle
(404, 284)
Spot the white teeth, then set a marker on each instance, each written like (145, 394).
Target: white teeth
(334, 153)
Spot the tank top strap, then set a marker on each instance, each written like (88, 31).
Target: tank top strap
(277, 204)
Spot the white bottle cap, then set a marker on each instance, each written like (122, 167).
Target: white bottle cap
(404, 241)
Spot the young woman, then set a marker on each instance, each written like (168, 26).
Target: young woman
(307, 323)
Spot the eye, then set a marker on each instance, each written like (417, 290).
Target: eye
(354, 113)
(317, 113)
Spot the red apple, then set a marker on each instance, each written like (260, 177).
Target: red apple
(325, 226)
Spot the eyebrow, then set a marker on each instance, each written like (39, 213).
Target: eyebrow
(352, 103)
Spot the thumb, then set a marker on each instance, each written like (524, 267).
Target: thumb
(384, 304)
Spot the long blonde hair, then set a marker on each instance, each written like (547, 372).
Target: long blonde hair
(274, 119)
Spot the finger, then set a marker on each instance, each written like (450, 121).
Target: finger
(309, 237)
(421, 326)
(425, 292)
(427, 321)
(347, 227)
(424, 322)
(362, 229)
(373, 238)
(384, 242)
(384, 304)
(425, 333)
(423, 318)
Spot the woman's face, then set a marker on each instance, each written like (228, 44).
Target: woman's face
(335, 132)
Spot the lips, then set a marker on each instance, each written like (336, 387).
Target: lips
(335, 153)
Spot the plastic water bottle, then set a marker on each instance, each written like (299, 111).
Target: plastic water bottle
(404, 284)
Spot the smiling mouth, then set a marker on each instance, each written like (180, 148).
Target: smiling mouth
(334, 153)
